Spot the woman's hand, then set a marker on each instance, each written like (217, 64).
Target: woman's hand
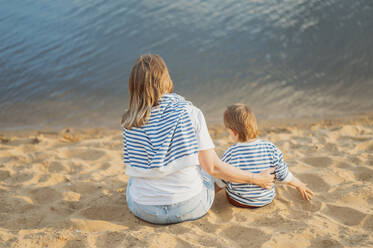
(265, 179)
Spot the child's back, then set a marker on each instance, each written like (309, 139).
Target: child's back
(255, 157)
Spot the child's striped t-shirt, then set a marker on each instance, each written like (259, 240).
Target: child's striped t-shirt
(255, 157)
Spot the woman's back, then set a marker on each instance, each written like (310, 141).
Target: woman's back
(179, 185)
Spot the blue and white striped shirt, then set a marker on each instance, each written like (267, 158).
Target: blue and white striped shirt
(153, 149)
(254, 157)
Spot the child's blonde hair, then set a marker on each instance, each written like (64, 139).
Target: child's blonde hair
(241, 119)
(149, 80)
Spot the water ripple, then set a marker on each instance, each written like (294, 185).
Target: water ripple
(309, 57)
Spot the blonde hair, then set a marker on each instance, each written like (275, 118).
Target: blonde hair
(149, 80)
(241, 119)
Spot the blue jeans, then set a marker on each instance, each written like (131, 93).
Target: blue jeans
(191, 209)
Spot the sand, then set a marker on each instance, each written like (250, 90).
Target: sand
(67, 189)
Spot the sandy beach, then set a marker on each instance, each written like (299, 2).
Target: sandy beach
(67, 189)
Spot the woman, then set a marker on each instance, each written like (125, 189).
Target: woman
(168, 152)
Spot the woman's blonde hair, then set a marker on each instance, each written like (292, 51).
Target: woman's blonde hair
(149, 80)
(241, 119)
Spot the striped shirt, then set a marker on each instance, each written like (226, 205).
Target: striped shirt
(255, 157)
(181, 185)
(154, 149)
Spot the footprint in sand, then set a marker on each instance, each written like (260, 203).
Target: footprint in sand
(331, 147)
(319, 162)
(4, 160)
(314, 182)
(110, 239)
(344, 165)
(105, 166)
(21, 177)
(178, 229)
(29, 221)
(4, 174)
(206, 225)
(84, 188)
(278, 222)
(363, 174)
(325, 242)
(85, 154)
(55, 167)
(206, 241)
(345, 215)
(44, 195)
(246, 237)
(75, 243)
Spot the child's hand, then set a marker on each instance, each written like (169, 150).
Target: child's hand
(306, 193)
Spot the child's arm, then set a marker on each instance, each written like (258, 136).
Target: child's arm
(283, 174)
(306, 193)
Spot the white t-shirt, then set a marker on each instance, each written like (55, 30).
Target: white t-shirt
(181, 185)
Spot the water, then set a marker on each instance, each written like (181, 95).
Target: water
(66, 62)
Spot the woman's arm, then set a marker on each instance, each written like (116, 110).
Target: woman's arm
(212, 164)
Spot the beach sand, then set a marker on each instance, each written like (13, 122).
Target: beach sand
(67, 189)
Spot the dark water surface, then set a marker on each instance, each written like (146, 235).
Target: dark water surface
(66, 62)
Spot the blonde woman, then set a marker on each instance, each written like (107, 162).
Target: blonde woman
(168, 152)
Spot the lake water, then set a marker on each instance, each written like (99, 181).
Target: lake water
(66, 62)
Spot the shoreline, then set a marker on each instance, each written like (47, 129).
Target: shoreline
(262, 123)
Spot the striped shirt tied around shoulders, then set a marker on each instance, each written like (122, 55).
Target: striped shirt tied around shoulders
(153, 149)
(255, 157)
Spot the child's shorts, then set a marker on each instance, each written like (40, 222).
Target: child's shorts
(237, 204)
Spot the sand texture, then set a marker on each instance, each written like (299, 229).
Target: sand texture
(67, 189)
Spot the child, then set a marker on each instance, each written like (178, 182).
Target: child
(254, 155)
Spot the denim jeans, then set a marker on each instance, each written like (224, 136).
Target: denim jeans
(191, 209)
